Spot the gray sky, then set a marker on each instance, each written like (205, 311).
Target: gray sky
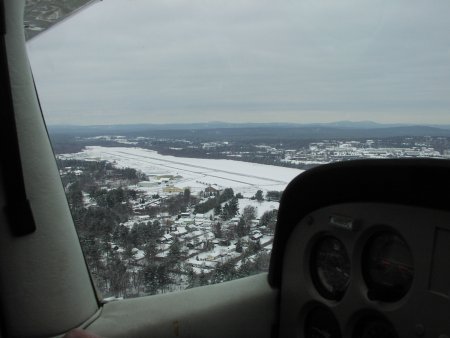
(141, 61)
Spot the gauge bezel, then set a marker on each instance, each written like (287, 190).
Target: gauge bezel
(327, 317)
(363, 323)
(316, 279)
(376, 291)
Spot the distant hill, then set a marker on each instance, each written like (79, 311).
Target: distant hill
(255, 131)
(359, 124)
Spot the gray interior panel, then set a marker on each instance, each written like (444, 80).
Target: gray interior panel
(240, 308)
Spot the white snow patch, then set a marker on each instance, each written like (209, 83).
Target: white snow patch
(197, 174)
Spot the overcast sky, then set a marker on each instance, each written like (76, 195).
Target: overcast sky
(141, 61)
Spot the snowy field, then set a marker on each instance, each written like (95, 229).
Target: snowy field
(243, 177)
(260, 207)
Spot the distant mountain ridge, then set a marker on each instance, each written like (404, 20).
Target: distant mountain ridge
(211, 130)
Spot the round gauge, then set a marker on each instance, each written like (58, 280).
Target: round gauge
(374, 327)
(321, 323)
(387, 267)
(330, 267)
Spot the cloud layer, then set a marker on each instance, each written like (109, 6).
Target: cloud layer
(141, 61)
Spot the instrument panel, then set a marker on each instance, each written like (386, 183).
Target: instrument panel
(359, 270)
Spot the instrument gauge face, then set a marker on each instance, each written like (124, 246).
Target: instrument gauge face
(374, 328)
(387, 267)
(321, 323)
(330, 267)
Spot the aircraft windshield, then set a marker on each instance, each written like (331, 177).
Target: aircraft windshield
(178, 124)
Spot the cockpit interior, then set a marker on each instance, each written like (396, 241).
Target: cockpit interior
(364, 257)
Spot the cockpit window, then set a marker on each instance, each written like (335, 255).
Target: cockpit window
(177, 124)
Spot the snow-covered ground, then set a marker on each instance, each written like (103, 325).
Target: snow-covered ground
(243, 177)
(260, 207)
